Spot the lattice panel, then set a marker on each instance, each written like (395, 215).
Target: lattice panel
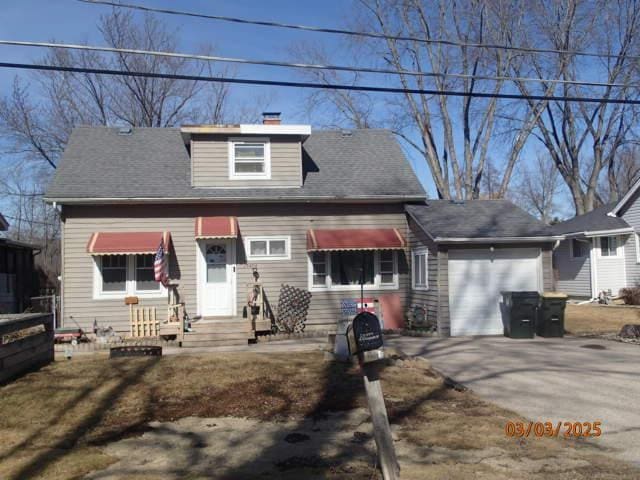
(293, 306)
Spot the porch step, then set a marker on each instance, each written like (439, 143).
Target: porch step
(214, 343)
(191, 336)
(222, 326)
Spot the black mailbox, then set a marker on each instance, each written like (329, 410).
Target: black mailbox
(367, 334)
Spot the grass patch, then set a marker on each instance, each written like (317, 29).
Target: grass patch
(598, 319)
(56, 423)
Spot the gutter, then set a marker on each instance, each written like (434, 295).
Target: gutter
(454, 240)
(276, 199)
(600, 233)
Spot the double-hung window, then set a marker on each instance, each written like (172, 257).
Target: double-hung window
(117, 276)
(346, 270)
(579, 248)
(268, 248)
(249, 159)
(419, 269)
(609, 246)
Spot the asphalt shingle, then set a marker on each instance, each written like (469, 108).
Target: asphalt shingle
(593, 221)
(476, 219)
(99, 163)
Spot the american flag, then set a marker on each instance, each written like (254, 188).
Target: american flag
(160, 266)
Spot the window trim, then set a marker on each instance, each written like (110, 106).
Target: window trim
(233, 175)
(130, 282)
(420, 251)
(377, 285)
(619, 246)
(268, 239)
(571, 256)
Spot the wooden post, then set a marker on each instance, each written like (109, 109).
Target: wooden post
(381, 429)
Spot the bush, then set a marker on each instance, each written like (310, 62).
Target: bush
(631, 296)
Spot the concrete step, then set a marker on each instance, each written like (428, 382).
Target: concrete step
(222, 327)
(217, 336)
(213, 343)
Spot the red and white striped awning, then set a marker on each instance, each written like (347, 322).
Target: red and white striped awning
(127, 243)
(355, 239)
(216, 227)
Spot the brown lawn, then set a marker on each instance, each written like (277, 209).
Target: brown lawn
(93, 414)
(598, 319)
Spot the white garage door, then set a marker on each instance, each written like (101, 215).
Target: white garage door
(476, 279)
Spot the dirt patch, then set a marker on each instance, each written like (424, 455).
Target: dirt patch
(599, 319)
(240, 415)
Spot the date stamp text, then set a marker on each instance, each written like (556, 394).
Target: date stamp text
(553, 429)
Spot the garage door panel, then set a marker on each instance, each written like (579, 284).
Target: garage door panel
(476, 279)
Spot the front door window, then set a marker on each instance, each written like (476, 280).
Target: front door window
(216, 264)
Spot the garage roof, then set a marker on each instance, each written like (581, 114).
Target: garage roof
(478, 221)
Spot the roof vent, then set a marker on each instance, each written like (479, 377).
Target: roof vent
(346, 133)
(125, 130)
(271, 118)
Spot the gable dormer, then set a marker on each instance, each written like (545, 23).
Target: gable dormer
(267, 155)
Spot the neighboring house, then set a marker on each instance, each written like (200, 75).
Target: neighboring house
(303, 209)
(601, 251)
(17, 278)
(465, 254)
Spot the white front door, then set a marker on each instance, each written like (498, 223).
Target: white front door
(216, 277)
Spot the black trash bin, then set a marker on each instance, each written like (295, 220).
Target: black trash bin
(520, 310)
(550, 322)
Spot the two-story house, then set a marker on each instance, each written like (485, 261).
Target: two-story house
(227, 202)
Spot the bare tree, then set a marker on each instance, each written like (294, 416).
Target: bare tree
(537, 186)
(583, 138)
(39, 126)
(454, 135)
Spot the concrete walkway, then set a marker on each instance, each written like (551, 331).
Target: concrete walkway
(559, 379)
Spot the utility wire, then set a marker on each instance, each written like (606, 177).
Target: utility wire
(355, 33)
(276, 63)
(321, 86)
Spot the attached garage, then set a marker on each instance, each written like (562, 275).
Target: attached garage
(469, 253)
(476, 279)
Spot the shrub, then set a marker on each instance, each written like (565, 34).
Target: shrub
(631, 296)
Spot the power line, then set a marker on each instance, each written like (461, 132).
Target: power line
(321, 86)
(356, 33)
(26, 220)
(277, 63)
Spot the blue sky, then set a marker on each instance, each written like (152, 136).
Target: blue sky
(71, 21)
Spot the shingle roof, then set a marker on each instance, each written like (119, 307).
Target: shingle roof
(476, 219)
(593, 221)
(154, 163)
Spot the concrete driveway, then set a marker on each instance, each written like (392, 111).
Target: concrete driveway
(559, 379)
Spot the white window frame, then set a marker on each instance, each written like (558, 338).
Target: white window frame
(420, 251)
(636, 236)
(130, 283)
(571, 256)
(268, 257)
(618, 247)
(233, 175)
(377, 285)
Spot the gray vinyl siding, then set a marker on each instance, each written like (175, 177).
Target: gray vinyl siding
(573, 275)
(632, 216)
(210, 162)
(424, 298)
(293, 220)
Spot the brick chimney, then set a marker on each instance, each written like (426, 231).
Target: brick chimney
(271, 118)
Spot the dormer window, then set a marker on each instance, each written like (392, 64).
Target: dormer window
(249, 159)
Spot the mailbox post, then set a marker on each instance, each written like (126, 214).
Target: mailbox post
(365, 341)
